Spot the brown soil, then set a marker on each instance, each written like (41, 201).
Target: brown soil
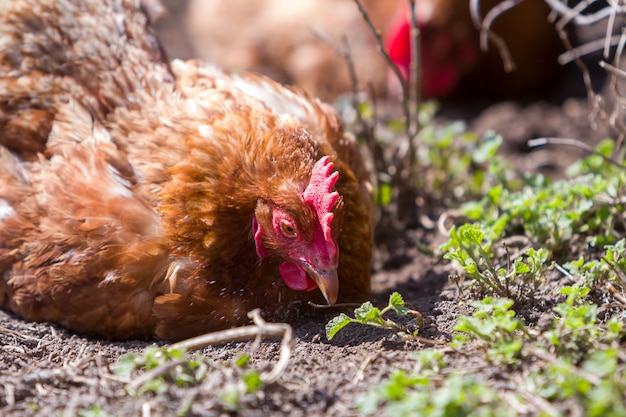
(48, 371)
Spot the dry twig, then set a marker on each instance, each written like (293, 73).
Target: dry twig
(580, 19)
(573, 143)
(334, 307)
(401, 167)
(484, 25)
(616, 294)
(260, 329)
(577, 15)
(381, 48)
(361, 371)
(154, 373)
(366, 128)
(18, 335)
(587, 48)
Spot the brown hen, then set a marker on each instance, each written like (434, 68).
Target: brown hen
(280, 38)
(139, 198)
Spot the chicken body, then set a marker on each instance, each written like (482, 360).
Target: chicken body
(139, 198)
(279, 38)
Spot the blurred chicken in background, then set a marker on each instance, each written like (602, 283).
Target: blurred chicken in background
(277, 38)
(452, 63)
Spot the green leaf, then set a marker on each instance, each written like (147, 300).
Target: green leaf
(396, 302)
(336, 324)
(383, 194)
(474, 210)
(367, 313)
(575, 293)
(230, 397)
(242, 359)
(602, 362)
(474, 235)
(614, 327)
(156, 385)
(488, 148)
(521, 267)
(252, 379)
(126, 365)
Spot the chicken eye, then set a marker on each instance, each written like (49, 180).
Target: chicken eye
(287, 228)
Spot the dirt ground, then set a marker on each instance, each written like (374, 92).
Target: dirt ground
(48, 371)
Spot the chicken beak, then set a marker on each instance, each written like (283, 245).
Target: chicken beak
(327, 281)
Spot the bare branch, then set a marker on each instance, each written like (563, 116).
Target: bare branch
(402, 164)
(260, 329)
(587, 48)
(580, 19)
(486, 34)
(414, 71)
(573, 143)
(365, 128)
(594, 99)
(609, 29)
(413, 93)
(572, 14)
(381, 46)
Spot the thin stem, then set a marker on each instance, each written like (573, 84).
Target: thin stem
(408, 152)
(260, 329)
(381, 48)
(487, 33)
(573, 143)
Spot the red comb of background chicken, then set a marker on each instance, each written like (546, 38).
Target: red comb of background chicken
(451, 62)
(399, 45)
(445, 54)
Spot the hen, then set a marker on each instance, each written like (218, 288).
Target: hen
(451, 61)
(139, 198)
(278, 38)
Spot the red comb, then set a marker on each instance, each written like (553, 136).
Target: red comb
(319, 193)
(399, 45)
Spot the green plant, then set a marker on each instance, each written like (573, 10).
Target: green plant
(591, 382)
(472, 249)
(177, 367)
(608, 268)
(427, 392)
(94, 411)
(576, 331)
(249, 382)
(369, 315)
(553, 213)
(452, 164)
(230, 396)
(596, 388)
(493, 323)
(162, 365)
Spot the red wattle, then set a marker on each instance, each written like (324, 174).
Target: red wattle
(295, 277)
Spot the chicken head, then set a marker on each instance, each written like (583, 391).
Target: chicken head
(304, 242)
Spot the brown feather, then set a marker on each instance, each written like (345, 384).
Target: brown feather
(128, 186)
